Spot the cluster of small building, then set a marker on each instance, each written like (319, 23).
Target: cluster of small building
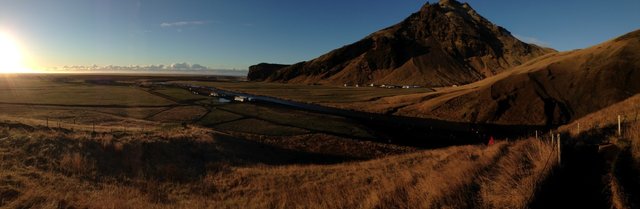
(242, 99)
(387, 86)
(198, 90)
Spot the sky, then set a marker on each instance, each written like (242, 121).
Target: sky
(234, 34)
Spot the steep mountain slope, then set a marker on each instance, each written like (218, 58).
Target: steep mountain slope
(553, 89)
(443, 44)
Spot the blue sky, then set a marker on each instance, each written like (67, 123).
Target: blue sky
(238, 33)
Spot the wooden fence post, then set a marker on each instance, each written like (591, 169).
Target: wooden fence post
(619, 126)
(536, 134)
(559, 151)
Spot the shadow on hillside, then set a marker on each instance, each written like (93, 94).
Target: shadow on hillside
(579, 183)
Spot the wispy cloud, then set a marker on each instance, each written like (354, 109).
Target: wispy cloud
(532, 40)
(181, 24)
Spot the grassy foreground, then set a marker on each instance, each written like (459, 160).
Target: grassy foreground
(619, 151)
(196, 168)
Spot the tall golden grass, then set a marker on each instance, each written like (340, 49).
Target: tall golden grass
(624, 157)
(50, 169)
(514, 181)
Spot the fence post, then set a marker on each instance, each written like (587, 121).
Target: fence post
(552, 139)
(559, 151)
(578, 128)
(536, 134)
(619, 128)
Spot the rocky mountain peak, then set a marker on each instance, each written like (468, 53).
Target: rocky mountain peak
(445, 43)
(449, 3)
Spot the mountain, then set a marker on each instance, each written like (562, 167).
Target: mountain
(551, 90)
(263, 70)
(443, 44)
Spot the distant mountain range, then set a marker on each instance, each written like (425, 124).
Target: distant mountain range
(443, 44)
(180, 68)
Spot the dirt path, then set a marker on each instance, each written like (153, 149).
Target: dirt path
(471, 190)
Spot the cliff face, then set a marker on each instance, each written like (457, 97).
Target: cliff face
(443, 44)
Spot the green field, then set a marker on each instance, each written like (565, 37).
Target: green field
(261, 127)
(179, 94)
(300, 119)
(217, 116)
(78, 101)
(311, 93)
(36, 90)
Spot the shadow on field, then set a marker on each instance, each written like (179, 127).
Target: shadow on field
(146, 156)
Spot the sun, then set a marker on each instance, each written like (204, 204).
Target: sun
(11, 60)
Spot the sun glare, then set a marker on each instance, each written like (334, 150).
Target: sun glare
(11, 60)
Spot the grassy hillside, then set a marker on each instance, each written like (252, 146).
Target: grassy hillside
(195, 168)
(621, 152)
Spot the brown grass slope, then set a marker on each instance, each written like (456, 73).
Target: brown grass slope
(553, 89)
(443, 44)
(622, 176)
(193, 169)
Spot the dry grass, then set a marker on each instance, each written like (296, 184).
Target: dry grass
(179, 114)
(515, 179)
(626, 168)
(76, 163)
(629, 110)
(193, 168)
(623, 156)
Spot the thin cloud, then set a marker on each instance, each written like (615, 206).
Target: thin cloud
(532, 40)
(181, 24)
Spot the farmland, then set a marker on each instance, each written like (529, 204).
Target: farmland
(125, 142)
(117, 103)
(312, 93)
